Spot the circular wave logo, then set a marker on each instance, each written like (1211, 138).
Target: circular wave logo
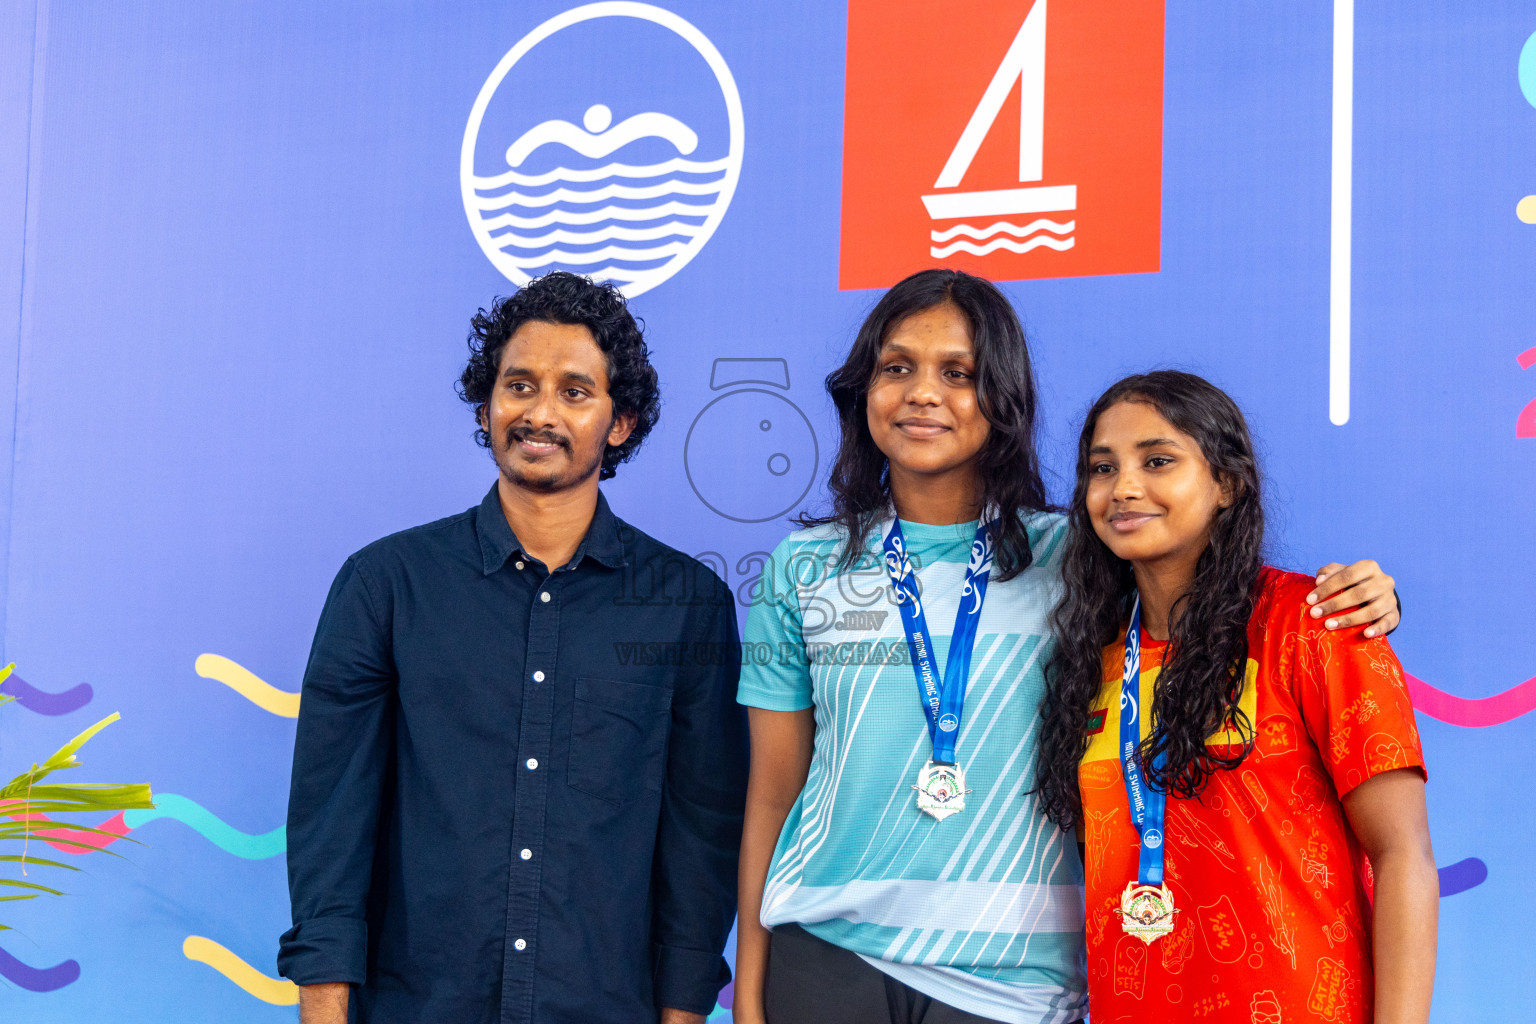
(607, 142)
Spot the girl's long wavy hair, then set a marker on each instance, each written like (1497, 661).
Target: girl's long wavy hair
(1205, 663)
(1008, 466)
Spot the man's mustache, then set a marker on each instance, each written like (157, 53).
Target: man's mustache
(516, 434)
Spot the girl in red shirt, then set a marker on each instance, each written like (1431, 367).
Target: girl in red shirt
(1234, 768)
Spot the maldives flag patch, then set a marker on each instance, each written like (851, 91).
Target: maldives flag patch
(1096, 721)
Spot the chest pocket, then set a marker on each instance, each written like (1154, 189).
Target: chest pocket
(618, 739)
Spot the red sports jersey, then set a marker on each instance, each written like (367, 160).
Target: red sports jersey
(1273, 921)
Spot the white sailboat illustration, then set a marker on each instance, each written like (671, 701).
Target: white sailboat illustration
(1023, 65)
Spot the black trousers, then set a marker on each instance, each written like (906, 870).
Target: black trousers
(811, 981)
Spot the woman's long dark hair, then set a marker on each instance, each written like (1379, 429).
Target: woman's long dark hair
(1008, 468)
(1206, 659)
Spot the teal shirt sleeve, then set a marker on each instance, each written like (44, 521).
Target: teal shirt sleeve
(775, 673)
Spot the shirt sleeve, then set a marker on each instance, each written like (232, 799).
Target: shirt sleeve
(699, 834)
(775, 671)
(1354, 700)
(339, 754)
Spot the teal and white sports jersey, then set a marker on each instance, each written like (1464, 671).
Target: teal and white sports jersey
(983, 910)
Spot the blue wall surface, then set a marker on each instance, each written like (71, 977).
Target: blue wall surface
(236, 271)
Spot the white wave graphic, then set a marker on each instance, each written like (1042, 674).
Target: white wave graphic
(579, 217)
(1002, 226)
(608, 234)
(565, 217)
(597, 195)
(614, 221)
(605, 254)
(615, 170)
(1059, 244)
(618, 275)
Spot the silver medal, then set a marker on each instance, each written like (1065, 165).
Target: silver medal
(941, 789)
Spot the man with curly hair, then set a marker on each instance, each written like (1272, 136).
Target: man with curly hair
(520, 767)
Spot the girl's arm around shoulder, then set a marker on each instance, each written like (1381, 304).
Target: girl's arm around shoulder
(1361, 594)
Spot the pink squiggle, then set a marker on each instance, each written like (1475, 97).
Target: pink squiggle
(1473, 713)
(77, 842)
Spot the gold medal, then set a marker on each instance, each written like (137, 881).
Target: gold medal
(941, 789)
(1146, 911)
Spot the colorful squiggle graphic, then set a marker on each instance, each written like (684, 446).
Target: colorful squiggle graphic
(1473, 713)
(1525, 423)
(248, 685)
(178, 808)
(1461, 876)
(276, 991)
(212, 828)
(68, 839)
(38, 979)
(44, 703)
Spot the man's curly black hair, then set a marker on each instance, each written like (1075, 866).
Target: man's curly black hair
(564, 298)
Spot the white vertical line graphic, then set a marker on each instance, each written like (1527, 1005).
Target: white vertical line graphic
(1343, 174)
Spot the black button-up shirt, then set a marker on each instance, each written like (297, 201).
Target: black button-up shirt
(517, 795)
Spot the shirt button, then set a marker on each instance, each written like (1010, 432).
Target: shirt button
(518, 564)
(544, 596)
(520, 945)
(533, 763)
(526, 855)
(538, 676)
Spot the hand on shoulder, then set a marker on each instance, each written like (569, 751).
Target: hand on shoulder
(1361, 594)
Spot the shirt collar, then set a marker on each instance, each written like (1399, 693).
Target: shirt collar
(602, 542)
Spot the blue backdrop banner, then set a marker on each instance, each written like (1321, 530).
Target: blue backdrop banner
(240, 245)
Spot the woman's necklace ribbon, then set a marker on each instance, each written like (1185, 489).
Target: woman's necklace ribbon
(941, 784)
(1146, 906)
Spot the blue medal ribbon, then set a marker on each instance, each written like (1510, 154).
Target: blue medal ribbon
(1148, 805)
(943, 697)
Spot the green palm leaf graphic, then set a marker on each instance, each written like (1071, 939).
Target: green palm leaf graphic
(28, 797)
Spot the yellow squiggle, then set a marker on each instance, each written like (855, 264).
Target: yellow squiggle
(269, 990)
(248, 685)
